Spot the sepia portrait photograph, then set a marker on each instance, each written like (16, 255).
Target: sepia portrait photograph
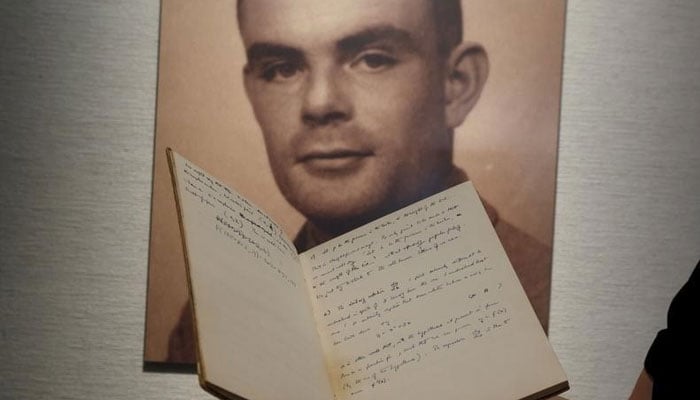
(330, 114)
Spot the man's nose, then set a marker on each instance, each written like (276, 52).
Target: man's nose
(326, 100)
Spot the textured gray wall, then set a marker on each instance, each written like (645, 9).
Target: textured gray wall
(77, 100)
(627, 230)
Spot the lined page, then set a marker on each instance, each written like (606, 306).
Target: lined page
(423, 303)
(256, 332)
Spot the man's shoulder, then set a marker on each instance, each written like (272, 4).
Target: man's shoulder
(532, 262)
(522, 246)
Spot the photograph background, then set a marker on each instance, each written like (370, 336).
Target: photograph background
(507, 145)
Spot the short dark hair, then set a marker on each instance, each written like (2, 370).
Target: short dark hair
(448, 23)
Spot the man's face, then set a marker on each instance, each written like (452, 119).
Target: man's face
(350, 98)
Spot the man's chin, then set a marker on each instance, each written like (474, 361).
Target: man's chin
(338, 217)
(341, 201)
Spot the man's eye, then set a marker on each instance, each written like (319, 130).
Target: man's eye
(375, 61)
(280, 71)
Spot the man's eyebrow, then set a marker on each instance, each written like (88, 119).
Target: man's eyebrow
(261, 50)
(383, 33)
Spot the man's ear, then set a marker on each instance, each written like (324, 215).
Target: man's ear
(467, 70)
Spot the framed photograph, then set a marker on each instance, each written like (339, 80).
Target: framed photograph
(330, 114)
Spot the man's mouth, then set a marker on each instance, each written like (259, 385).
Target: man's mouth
(334, 160)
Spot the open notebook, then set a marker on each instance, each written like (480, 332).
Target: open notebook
(422, 303)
